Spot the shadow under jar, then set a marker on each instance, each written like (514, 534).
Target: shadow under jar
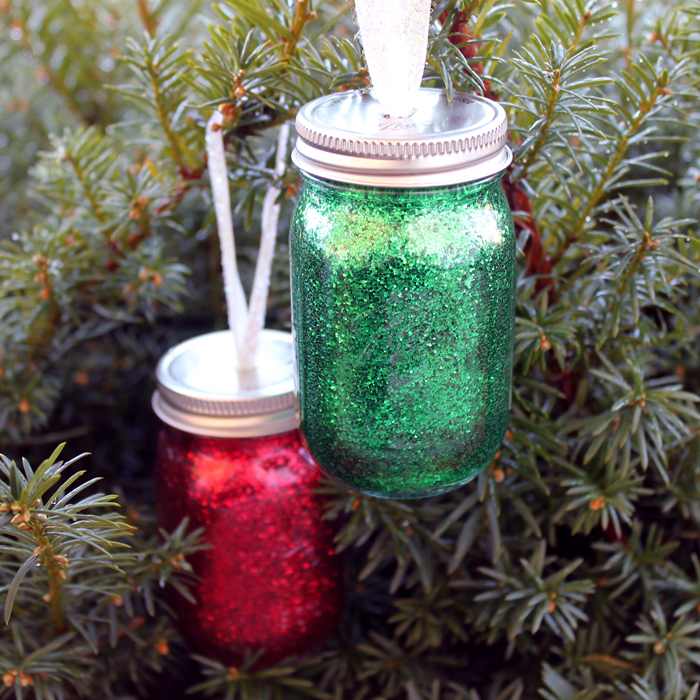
(403, 291)
(230, 458)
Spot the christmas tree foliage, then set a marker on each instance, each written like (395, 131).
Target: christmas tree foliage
(569, 568)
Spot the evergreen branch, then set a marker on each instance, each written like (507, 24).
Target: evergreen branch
(394, 529)
(23, 497)
(640, 266)
(94, 586)
(55, 80)
(644, 107)
(556, 89)
(87, 187)
(606, 350)
(427, 621)
(157, 64)
(91, 161)
(247, 682)
(511, 602)
(634, 563)
(668, 647)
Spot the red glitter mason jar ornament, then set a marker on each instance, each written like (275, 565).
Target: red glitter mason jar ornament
(231, 459)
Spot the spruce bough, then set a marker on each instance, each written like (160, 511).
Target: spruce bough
(569, 568)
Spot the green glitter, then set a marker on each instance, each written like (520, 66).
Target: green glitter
(403, 304)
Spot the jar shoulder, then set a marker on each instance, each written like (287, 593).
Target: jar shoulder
(190, 463)
(388, 222)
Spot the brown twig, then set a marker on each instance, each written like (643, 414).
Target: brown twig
(89, 194)
(55, 566)
(147, 19)
(301, 17)
(163, 118)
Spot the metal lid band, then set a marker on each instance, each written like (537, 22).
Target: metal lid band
(345, 137)
(332, 168)
(215, 426)
(200, 390)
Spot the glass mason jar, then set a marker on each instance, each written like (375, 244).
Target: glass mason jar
(403, 291)
(231, 459)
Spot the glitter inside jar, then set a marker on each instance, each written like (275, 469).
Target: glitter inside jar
(403, 304)
(271, 580)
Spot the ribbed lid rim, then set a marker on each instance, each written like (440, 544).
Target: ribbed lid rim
(345, 137)
(399, 149)
(231, 408)
(188, 397)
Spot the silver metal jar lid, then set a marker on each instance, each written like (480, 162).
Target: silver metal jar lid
(201, 391)
(347, 138)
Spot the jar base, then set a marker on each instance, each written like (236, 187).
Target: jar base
(405, 495)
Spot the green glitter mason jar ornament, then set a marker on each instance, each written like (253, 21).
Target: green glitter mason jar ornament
(403, 290)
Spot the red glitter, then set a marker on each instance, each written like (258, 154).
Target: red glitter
(272, 580)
